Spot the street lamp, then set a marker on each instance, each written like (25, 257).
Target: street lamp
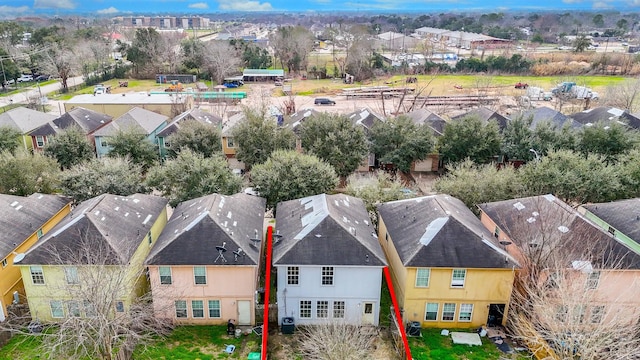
(535, 153)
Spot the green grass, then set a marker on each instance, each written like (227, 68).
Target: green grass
(22, 347)
(433, 346)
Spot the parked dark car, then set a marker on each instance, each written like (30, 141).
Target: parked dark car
(43, 77)
(324, 101)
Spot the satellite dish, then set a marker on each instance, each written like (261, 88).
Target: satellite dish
(277, 237)
(237, 253)
(221, 251)
(255, 239)
(18, 258)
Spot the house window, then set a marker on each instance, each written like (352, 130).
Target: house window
(305, 309)
(386, 236)
(149, 238)
(338, 309)
(578, 314)
(611, 230)
(431, 312)
(214, 309)
(57, 311)
(74, 308)
(197, 308)
(37, 276)
(448, 311)
(593, 280)
(4, 263)
(71, 275)
(230, 143)
(561, 313)
(104, 143)
(39, 141)
(200, 275)
(120, 306)
(293, 275)
(322, 309)
(89, 309)
(165, 275)
(167, 144)
(596, 314)
(181, 308)
(327, 275)
(465, 312)
(496, 232)
(422, 277)
(457, 277)
(39, 233)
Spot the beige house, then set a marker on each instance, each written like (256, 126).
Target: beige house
(116, 105)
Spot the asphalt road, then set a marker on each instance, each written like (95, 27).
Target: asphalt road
(32, 90)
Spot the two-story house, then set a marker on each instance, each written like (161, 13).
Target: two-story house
(446, 268)
(23, 220)
(204, 268)
(110, 233)
(329, 264)
(25, 120)
(136, 120)
(619, 218)
(194, 114)
(87, 120)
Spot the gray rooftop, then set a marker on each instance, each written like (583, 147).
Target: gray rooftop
(232, 121)
(87, 120)
(424, 116)
(364, 117)
(24, 120)
(543, 114)
(298, 118)
(606, 116)
(191, 114)
(485, 115)
(116, 223)
(623, 215)
(440, 231)
(200, 225)
(142, 98)
(21, 217)
(326, 230)
(138, 120)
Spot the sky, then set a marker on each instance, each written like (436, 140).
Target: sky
(14, 8)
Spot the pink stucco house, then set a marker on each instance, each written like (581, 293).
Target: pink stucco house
(204, 267)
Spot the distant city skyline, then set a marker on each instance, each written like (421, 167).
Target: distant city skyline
(16, 8)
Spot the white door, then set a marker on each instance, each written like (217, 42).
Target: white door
(367, 313)
(1, 312)
(244, 312)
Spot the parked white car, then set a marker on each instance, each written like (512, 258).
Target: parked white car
(25, 78)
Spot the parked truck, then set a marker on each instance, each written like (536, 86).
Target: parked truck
(538, 93)
(570, 90)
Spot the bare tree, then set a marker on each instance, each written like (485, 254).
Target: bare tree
(221, 60)
(336, 341)
(62, 61)
(624, 95)
(107, 316)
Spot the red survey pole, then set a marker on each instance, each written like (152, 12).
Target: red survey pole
(396, 308)
(267, 288)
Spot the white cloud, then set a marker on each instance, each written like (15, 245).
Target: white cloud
(8, 11)
(54, 4)
(602, 5)
(200, 5)
(110, 10)
(244, 5)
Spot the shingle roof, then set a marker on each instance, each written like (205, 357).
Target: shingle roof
(138, 120)
(546, 114)
(605, 115)
(440, 231)
(118, 223)
(85, 119)
(424, 116)
(546, 219)
(326, 230)
(198, 226)
(231, 122)
(365, 118)
(20, 217)
(24, 119)
(485, 115)
(192, 114)
(623, 215)
(297, 118)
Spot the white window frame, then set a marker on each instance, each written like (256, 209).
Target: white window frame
(322, 309)
(37, 273)
(58, 306)
(593, 281)
(211, 307)
(597, 313)
(200, 308)
(444, 311)
(426, 311)
(326, 276)
(89, 309)
(73, 308)
(305, 309)
(71, 275)
(40, 141)
(465, 309)
(339, 308)
(195, 277)
(418, 277)
(39, 233)
(177, 309)
(160, 268)
(293, 275)
(4, 263)
(456, 283)
(119, 306)
(230, 143)
(149, 238)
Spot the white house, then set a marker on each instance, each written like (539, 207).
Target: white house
(328, 260)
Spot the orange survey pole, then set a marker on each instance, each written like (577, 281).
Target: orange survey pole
(394, 301)
(267, 288)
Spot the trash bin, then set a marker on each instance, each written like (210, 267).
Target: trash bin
(414, 329)
(288, 325)
(254, 356)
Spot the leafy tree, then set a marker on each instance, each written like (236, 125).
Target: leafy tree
(334, 139)
(598, 20)
(11, 69)
(193, 53)
(581, 43)
(191, 175)
(9, 139)
(475, 184)
(622, 24)
(253, 56)
(69, 148)
(517, 139)
(629, 174)
(23, 173)
(468, 137)
(118, 176)
(289, 175)
(537, 38)
(134, 146)
(256, 137)
(401, 142)
(609, 141)
(145, 50)
(201, 138)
